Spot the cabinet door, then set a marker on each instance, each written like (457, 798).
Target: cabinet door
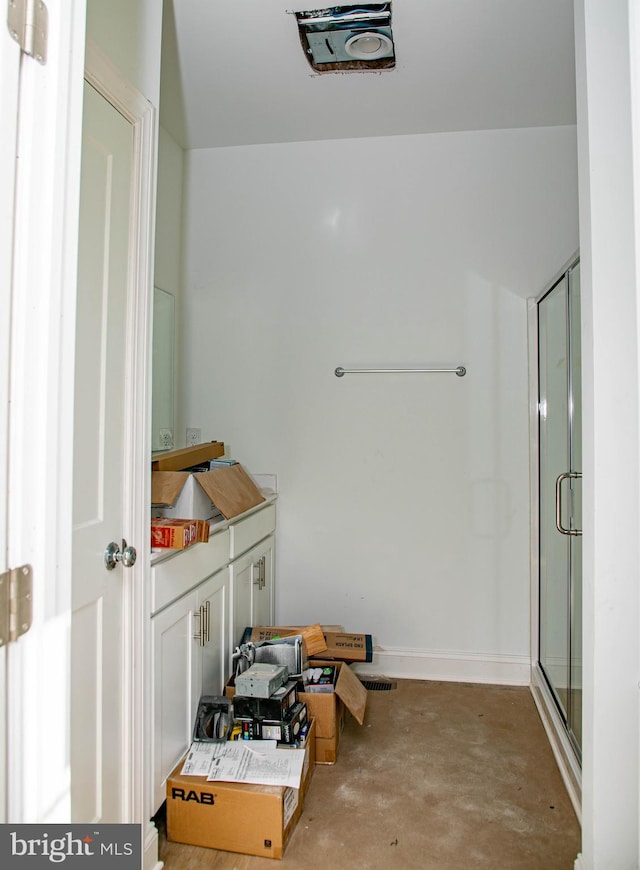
(213, 643)
(241, 574)
(175, 690)
(252, 584)
(263, 592)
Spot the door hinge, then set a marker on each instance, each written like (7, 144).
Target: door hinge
(28, 23)
(16, 611)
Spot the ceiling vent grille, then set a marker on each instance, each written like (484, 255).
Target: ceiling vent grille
(348, 38)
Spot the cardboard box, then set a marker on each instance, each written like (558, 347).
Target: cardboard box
(234, 817)
(178, 534)
(205, 494)
(275, 707)
(341, 646)
(328, 711)
(321, 679)
(312, 636)
(285, 730)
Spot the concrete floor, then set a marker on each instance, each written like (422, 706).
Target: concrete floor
(441, 776)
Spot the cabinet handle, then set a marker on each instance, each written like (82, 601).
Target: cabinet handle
(204, 617)
(197, 635)
(206, 623)
(260, 568)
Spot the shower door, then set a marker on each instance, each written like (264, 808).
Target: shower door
(560, 522)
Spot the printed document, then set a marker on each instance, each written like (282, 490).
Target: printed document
(260, 762)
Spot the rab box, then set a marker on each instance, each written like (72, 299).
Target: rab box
(235, 817)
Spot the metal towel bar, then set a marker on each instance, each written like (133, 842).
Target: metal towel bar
(339, 372)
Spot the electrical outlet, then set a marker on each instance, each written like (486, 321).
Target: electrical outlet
(193, 437)
(166, 439)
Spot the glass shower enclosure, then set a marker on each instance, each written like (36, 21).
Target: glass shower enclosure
(560, 502)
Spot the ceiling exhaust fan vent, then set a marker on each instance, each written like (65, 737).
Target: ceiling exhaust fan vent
(348, 38)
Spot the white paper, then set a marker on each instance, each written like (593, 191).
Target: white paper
(240, 762)
(198, 760)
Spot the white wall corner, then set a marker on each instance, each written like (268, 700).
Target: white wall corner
(455, 667)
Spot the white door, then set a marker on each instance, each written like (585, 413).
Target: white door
(9, 72)
(98, 651)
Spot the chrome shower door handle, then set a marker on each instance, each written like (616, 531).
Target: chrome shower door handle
(567, 475)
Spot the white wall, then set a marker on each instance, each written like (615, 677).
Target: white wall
(608, 88)
(130, 33)
(403, 506)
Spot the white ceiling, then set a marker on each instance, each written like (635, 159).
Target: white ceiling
(234, 73)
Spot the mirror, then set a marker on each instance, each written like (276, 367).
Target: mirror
(162, 432)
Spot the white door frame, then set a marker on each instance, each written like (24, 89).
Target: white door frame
(9, 92)
(608, 99)
(41, 411)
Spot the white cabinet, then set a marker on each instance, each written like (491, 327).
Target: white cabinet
(174, 688)
(190, 656)
(252, 593)
(200, 599)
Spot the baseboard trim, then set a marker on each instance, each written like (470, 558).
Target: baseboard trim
(150, 859)
(418, 664)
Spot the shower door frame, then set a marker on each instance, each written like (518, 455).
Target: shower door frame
(554, 725)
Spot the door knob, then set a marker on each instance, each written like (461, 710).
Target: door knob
(113, 555)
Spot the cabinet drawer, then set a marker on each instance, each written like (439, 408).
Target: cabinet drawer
(249, 531)
(184, 570)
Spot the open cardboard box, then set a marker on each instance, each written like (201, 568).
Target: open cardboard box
(328, 711)
(203, 494)
(340, 645)
(236, 817)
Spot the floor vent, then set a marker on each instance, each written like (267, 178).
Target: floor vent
(378, 684)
